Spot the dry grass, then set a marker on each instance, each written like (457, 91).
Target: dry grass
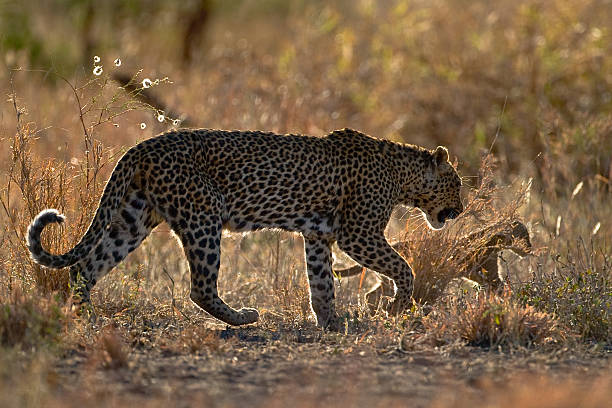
(490, 320)
(109, 350)
(28, 322)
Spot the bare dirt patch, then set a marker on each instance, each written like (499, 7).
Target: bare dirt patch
(273, 364)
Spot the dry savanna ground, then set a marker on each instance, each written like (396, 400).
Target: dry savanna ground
(520, 92)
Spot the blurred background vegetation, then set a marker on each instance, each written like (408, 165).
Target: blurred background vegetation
(534, 76)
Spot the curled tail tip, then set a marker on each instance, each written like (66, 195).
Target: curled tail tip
(49, 216)
(43, 219)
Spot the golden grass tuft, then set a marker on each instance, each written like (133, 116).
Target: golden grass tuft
(491, 320)
(32, 184)
(109, 350)
(29, 322)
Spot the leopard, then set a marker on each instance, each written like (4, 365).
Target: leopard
(479, 266)
(338, 188)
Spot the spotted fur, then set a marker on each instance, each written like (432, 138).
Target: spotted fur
(338, 188)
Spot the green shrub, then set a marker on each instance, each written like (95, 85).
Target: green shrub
(577, 289)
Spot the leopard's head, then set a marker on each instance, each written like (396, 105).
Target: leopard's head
(438, 196)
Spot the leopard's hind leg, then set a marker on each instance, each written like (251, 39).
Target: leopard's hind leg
(196, 220)
(320, 278)
(132, 223)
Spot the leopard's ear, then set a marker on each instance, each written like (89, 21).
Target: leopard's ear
(440, 155)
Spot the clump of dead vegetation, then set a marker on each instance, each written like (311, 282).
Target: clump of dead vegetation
(32, 300)
(491, 320)
(28, 322)
(108, 349)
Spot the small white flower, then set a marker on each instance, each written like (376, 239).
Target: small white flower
(97, 70)
(146, 83)
(96, 59)
(160, 117)
(176, 122)
(143, 125)
(596, 33)
(117, 62)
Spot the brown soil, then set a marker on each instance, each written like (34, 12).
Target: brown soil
(204, 364)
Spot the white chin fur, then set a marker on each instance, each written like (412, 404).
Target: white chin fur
(433, 224)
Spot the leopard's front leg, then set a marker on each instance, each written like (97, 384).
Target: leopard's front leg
(374, 252)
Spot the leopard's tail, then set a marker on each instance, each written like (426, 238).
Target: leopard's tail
(115, 189)
(347, 272)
